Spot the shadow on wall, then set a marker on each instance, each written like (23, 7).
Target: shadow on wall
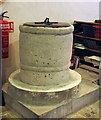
(11, 63)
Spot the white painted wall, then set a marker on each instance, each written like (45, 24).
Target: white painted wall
(21, 12)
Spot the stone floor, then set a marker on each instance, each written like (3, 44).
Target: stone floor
(92, 111)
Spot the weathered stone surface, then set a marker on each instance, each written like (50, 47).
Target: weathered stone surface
(45, 54)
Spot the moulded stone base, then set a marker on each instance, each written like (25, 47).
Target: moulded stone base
(43, 95)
